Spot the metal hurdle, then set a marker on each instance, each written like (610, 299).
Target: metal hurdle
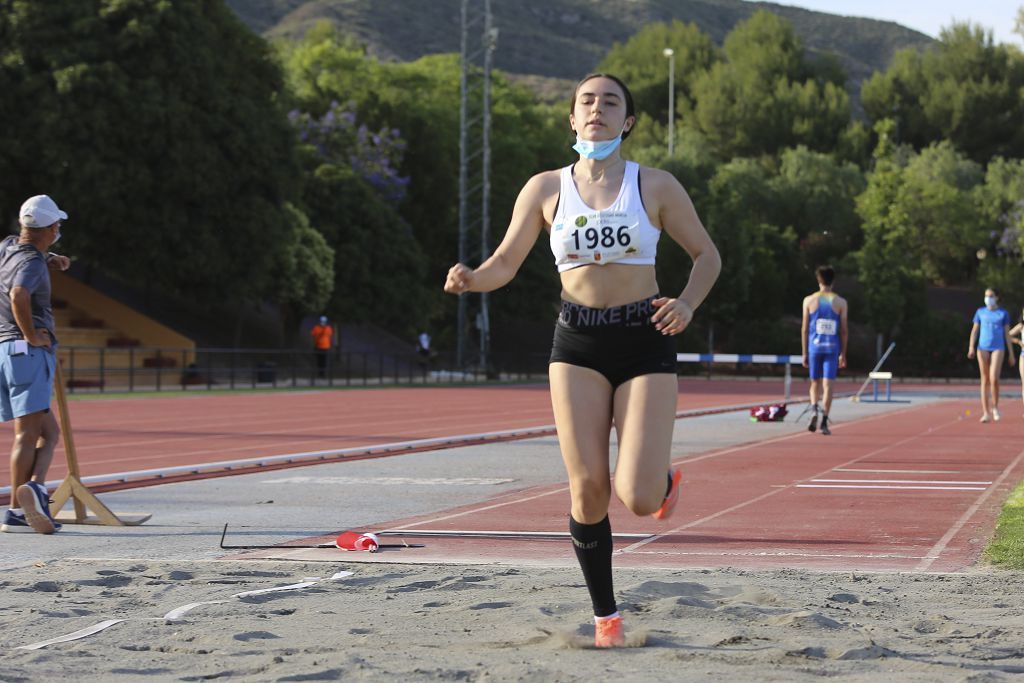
(765, 358)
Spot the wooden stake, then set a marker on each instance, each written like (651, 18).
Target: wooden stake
(72, 486)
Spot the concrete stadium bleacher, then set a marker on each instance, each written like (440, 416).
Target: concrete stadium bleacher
(99, 335)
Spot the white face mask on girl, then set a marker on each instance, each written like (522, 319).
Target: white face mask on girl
(602, 149)
(990, 301)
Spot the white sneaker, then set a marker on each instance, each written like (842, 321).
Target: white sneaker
(984, 418)
(995, 414)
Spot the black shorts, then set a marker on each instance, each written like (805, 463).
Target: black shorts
(620, 342)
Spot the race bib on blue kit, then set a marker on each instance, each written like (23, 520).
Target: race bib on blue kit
(600, 237)
(825, 326)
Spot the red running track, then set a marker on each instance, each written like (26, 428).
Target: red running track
(130, 434)
(916, 489)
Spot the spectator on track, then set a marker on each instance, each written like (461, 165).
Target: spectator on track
(990, 341)
(613, 358)
(28, 360)
(423, 348)
(323, 340)
(824, 334)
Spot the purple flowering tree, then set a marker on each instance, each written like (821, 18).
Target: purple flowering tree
(339, 138)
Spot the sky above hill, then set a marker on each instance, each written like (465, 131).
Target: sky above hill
(928, 17)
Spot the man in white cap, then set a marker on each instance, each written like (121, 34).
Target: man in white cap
(28, 360)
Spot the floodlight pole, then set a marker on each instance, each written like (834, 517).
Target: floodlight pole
(670, 53)
(478, 45)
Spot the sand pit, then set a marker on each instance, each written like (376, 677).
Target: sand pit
(470, 623)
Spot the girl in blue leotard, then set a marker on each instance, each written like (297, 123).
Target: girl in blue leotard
(990, 336)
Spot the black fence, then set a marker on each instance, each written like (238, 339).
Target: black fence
(100, 369)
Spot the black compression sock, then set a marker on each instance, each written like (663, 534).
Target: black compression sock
(593, 546)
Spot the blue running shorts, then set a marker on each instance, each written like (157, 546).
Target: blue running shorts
(26, 380)
(823, 365)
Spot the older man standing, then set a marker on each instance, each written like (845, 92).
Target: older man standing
(28, 360)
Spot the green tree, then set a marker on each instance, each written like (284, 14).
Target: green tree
(379, 267)
(159, 125)
(922, 224)
(303, 271)
(942, 219)
(737, 214)
(816, 195)
(967, 90)
(888, 278)
(1001, 201)
(641, 63)
(765, 96)
(421, 100)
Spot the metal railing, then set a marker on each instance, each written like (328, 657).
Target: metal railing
(105, 369)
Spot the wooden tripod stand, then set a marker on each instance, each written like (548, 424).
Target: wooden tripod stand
(72, 486)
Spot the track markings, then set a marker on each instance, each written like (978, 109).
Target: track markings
(855, 469)
(891, 488)
(392, 481)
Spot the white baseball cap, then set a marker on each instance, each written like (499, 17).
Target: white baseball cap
(40, 212)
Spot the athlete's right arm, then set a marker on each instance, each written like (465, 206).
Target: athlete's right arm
(526, 225)
(21, 307)
(973, 341)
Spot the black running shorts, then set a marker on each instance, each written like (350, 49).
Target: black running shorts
(620, 342)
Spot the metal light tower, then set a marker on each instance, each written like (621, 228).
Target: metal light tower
(479, 39)
(670, 53)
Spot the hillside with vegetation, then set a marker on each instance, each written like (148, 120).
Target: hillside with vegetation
(565, 39)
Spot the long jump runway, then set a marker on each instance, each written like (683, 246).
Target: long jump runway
(132, 435)
(916, 489)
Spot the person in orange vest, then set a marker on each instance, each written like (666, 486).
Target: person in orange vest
(323, 337)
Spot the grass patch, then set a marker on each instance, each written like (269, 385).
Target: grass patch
(1007, 548)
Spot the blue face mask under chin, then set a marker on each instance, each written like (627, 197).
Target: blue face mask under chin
(601, 149)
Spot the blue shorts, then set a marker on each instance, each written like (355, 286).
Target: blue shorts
(823, 364)
(26, 380)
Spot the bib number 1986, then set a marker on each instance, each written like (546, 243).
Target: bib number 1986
(606, 237)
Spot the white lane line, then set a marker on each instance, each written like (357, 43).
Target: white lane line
(897, 481)
(855, 469)
(528, 534)
(937, 549)
(757, 553)
(896, 488)
(391, 481)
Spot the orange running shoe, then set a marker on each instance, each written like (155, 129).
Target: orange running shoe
(608, 632)
(669, 504)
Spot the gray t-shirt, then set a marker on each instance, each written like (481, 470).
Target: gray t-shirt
(24, 265)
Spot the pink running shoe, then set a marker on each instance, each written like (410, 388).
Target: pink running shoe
(669, 504)
(608, 632)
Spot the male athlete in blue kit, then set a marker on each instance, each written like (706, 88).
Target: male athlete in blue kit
(824, 336)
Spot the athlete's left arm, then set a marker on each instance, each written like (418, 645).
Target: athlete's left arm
(1010, 355)
(677, 217)
(844, 332)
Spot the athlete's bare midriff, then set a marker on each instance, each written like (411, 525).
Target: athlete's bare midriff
(605, 286)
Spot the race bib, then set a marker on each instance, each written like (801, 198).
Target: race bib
(825, 326)
(600, 237)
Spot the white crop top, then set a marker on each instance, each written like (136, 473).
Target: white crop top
(622, 233)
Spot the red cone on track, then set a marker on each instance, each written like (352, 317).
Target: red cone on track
(353, 540)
